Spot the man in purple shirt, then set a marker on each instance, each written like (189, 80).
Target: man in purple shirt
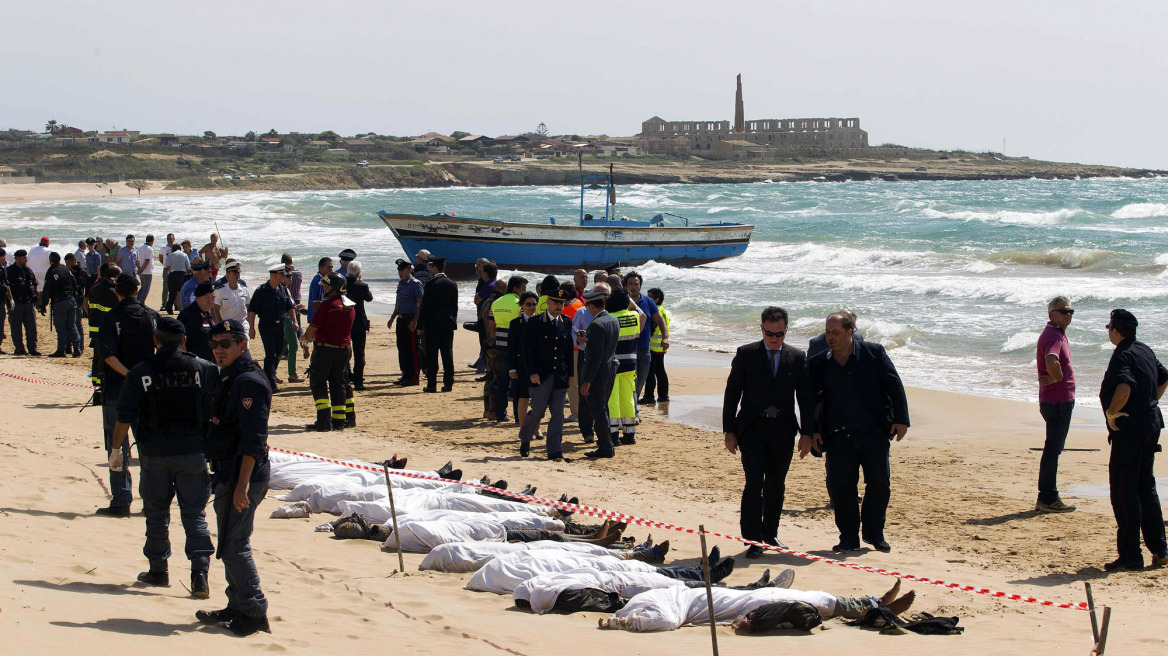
(1056, 400)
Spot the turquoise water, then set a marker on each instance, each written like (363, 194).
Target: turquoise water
(952, 276)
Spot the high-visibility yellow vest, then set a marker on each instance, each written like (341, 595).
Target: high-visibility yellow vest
(505, 309)
(655, 338)
(626, 344)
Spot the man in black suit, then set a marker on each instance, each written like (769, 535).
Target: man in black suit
(853, 407)
(547, 354)
(818, 344)
(598, 370)
(437, 319)
(758, 417)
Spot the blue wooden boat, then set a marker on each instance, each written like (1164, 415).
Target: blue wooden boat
(592, 244)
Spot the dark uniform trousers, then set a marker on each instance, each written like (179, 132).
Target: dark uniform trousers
(65, 324)
(584, 409)
(598, 394)
(234, 530)
(845, 456)
(545, 397)
(357, 337)
(439, 341)
(1133, 493)
(766, 458)
(328, 380)
(503, 384)
(121, 483)
(162, 479)
(174, 281)
(272, 336)
(407, 348)
(491, 364)
(22, 321)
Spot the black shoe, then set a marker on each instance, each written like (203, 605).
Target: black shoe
(244, 626)
(320, 428)
(663, 399)
(360, 387)
(845, 548)
(339, 424)
(57, 354)
(403, 383)
(430, 390)
(19, 352)
(199, 588)
(35, 354)
(754, 551)
(454, 475)
(113, 511)
(589, 439)
(775, 542)
(879, 545)
(158, 578)
(524, 449)
(480, 379)
(445, 470)
(626, 441)
(593, 455)
(447, 388)
(77, 354)
(647, 402)
(216, 616)
(558, 457)
(1121, 565)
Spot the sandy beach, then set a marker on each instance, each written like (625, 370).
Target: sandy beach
(66, 191)
(961, 511)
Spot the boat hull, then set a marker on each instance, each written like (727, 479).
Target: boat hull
(552, 248)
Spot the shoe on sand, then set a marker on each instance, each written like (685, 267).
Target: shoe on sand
(1056, 506)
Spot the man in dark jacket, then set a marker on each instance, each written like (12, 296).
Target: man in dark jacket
(102, 298)
(197, 321)
(599, 367)
(1130, 394)
(437, 320)
(60, 290)
(758, 417)
(358, 292)
(547, 354)
(83, 282)
(23, 284)
(5, 298)
(854, 405)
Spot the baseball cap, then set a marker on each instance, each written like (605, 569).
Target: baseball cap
(44, 241)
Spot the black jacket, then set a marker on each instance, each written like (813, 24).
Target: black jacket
(751, 388)
(548, 349)
(602, 333)
(439, 309)
(60, 285)
(881, 391)
(359, 293)
(23, 283)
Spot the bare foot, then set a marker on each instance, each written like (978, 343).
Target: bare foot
(887, 597)
(664, 548)
(901, 606)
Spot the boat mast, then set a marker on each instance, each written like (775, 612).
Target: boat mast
(580, 163)
(610, 195)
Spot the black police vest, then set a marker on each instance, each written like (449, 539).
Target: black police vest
(135, 336)
(222, 439)
(174, 406)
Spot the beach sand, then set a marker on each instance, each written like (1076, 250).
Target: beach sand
(961, 510)
(65, 191)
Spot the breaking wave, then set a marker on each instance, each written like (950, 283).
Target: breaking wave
(1141, 211)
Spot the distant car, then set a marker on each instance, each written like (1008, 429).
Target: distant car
(996, 159)
(516, 158)
(500, 160)
(541, 156)
(226, 176)
(235, 177)
(252, 176)
(922, 168)
(363, 162)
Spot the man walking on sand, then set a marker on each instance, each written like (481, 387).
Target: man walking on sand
(1056, 400)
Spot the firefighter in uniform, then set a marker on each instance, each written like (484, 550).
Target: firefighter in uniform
(330, 331)
(167, 398)
(1130, 394)
(236, 447)
(101, 299)
(622, 401)
(61, 290)
(125, 338)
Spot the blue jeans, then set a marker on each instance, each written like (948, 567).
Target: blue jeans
(235, 527)
(121, 483)
(161, 479)
(1058, 423)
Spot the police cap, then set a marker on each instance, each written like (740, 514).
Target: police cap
(170, 326)
(559, 295)
(434, 259)
(347, 255)
(90, 240)
(127, 280)
(20, 252)
(228, 327)
(276, 268)
(1123, 317)
(613, 268)
(203, 289)
(404, 264)
(233, 265)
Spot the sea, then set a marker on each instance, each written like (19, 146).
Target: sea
(953, 277)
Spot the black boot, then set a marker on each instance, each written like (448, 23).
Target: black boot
(445, 470)
(323, 422)
(721, 570)
(350, 419)
(157, 575)
(199, 587)
(244, 626)
(338, 424)
(216, 616)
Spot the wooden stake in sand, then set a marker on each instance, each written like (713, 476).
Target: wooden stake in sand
(401, 563)
(1102, 644)
(1091, 611)
(709, 591)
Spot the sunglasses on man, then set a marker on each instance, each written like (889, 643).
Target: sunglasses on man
(223, 343)
(776, 334)
(1066, 311)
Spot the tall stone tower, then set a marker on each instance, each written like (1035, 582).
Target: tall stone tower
(739, 113)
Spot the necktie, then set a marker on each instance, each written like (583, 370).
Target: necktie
(774, 362)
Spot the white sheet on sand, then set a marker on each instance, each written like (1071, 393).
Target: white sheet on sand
(666, 609)
(503, 574)
(422, 536)
(541, 591)
(326, 494)
(470, 556)
(288, 471)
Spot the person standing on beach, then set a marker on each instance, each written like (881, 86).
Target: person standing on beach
(163, 252)
(92, 259)
(622, 400)
(236, 448)
(168, 399)
(657, 381)
(231, 299)
(1131, 390)
(330, 332)
(405, 312)
(344, 257)
(200, 272)
(101, 299)
(81, 284)
(61, 290)
(145, 268)
(633, 282)
(323, 267)
(38, 259)
(437, 321)
(197, 321)
(178, 268)
(863, 408)
(758, 418)
(598, 370)
(128, 257)
(1056, 400)
(212, 254)
(581, 320)
(547, 353)
(580, 280)
(5, 298)
(818, 344)
(358, 292)
(292, 281)
(22, 317)
(504, 310)
(269, 306)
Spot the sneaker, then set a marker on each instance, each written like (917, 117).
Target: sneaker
(1056, 506)
(244, 626)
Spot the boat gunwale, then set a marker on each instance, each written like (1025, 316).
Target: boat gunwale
(607, 225)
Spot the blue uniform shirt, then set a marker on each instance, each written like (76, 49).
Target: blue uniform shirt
(314, 294)
(650, 309)
(186, 295)
(409, 296)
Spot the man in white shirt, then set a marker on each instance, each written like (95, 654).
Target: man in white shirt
(79, 254)
(178, 266)
(38, 259)
(231, 300)
(145, 268)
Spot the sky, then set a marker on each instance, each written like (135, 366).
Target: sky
(1066, 80)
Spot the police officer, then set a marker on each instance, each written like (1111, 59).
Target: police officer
(271, 303)
(83, 282)
(437, 321)
(547, 358)
(1130, 393)
(503, 311)
(330, 331)
(5, 297)
(61, 289)
(102, 298)
(236, 447)
(167, 398)
(358, 292)
(125, 337)
(409, 297)
(22, 318)
(197, 321)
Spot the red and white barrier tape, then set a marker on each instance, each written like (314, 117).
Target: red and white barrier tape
(630, 519)
(42, 382)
